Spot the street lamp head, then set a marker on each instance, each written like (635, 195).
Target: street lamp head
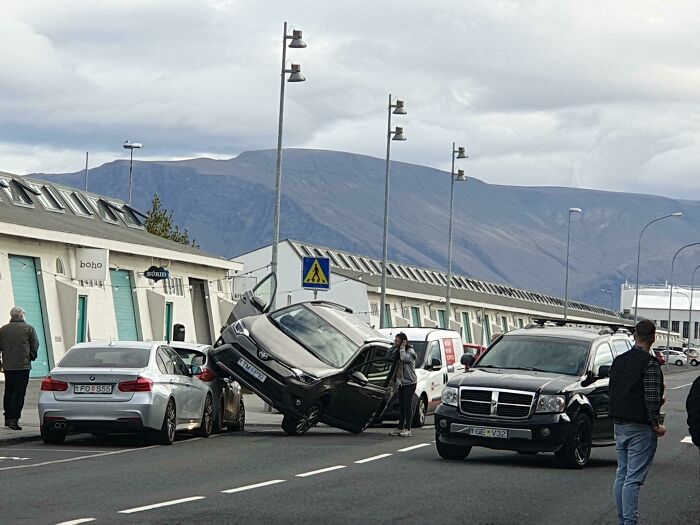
(574, 210)
(461, 154)
(297, 40)
(460, 176)
(677, 214)
(295, 74)
(132, 145)
(399, 108)
(398, 134)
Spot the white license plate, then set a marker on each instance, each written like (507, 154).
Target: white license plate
(500, 433)
(257, 374)
(92, 389)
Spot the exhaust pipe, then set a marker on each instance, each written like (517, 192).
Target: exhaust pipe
(59, 426)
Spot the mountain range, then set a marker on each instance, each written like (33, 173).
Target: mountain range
(509, 234)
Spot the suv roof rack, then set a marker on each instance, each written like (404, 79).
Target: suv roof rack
(606, 328)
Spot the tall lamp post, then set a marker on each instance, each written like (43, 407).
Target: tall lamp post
(612, 297)
(457, 153)
(296, 42)
(131, 146)
(670, 297)
(397, 134)
(690, 311)
(639, 252)
(566, 283)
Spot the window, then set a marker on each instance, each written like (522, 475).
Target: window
(77, 203)
(675, 326)
(466, 321)
(521, 323)
(374, 309)
(504, 323)
(131, 216)
(164, 362)
(619, 346)
(387, 316)
(106, 357)
(59, 266)
(486, 324)
(664, 324)
(173, 286)
(603, 357)
(415, 316)
(434, 353)
(180, 367)
(103, 209)
(442, 318)
(686, 329)
(18, 192)
(696, 329)
(47, 198)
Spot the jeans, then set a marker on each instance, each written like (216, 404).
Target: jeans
(635, 444)
(406, 405)
(16, 382)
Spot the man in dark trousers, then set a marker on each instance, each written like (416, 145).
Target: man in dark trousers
(636, 396)
(19, 345)
(692, 405)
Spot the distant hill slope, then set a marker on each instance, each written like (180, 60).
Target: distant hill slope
(510, 234)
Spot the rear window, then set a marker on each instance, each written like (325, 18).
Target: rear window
(106, 358)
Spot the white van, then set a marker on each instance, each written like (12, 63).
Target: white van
(438, 352)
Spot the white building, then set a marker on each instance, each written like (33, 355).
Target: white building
(415, 296)
(75, 261)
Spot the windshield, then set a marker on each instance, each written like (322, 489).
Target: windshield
(318, 336)
(350, 325)
(106, 358)
(419, 347)
(559, 356)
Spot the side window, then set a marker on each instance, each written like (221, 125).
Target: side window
(379, 368)
(620, 346)
(178, 365)
(434, 352)
(165, 363)
(603, 356)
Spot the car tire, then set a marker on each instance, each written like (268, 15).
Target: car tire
(679, 363)
(694, 362)
(52, 437)
(296, 426)
(577, 450)
(207, 423)
(239, 425)
(166, 434)
(219, 420)
(452, 451)
(419, 415)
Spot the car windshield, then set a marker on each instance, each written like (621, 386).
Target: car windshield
(106, 358)
(559, 356)
(350, 325)
(419, 347)
(317, 335)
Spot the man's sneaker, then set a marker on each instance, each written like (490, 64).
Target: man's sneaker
(13, 424)
(397, 432)
(405, 433)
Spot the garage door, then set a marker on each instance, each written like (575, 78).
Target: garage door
(124, 305)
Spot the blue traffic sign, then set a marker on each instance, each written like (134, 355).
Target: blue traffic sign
(316, 273)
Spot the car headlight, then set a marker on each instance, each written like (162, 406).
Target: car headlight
(304, 377)
(450, 396)
(550, 404)
(239, 329)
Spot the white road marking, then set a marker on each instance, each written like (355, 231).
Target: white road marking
(320, 471)
(76, 522)
(677, 387)
(14, 457)
(159, 505)
(257, 485)
(373, 458)
(414, 447)
(47, 449)
(32, 465)
(428, 426)
(687, 439)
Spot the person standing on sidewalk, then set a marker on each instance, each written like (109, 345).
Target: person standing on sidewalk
(636, 396)
(406, 379)
(692, 405)
(19, 345)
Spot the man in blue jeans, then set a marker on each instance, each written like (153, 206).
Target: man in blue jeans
(636, 396)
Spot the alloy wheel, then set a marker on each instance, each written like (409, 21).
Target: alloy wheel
(308, 419)
(208, 417)
(171, 424)
(582, 443)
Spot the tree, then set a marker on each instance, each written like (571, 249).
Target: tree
(159, 221)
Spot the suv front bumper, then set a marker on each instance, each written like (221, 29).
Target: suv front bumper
(538, 433)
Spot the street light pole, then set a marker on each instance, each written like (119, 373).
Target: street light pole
(459, 176)
(131, 146)
(566, 283)
(295, 76)
(612, 297)
(399, 109)
(86, 170)
(639, 253)
(670, 298)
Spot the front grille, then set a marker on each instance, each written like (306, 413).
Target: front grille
(495, 403)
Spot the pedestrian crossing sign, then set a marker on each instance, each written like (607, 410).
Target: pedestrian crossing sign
(316, 273)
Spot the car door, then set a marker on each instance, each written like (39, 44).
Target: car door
(256, 301)
(600, 397)
(196, 389)
(436, 368)
(178, 387)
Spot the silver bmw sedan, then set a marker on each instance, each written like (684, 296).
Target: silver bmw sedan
(125, 387)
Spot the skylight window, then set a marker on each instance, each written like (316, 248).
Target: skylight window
(47, 198)
(104, 210)
(76, 203)
(18, 192)
(131, 216)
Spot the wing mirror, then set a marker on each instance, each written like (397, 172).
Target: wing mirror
(467, 360)
(435, 364)
(359, 377)
(604, 371)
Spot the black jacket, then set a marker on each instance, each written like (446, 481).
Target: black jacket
(18, 345)
(692, 405)
(627, 386)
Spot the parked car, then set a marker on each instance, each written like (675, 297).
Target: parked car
(677, 358)
(438, 352)
(660, 356)
(229, 408)
(537, 389)
(118, 386)
(693, 356)
(312, 361)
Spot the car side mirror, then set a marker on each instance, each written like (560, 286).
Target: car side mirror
(194, 370)
(467, 360)
(435, 364)
(604, 371)
(359, 377)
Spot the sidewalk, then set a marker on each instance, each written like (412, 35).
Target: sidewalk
(30, 415)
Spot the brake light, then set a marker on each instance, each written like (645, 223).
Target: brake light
(142, 384)
(207, 376)
(52, 385)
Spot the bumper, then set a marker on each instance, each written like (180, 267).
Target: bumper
(539, 433)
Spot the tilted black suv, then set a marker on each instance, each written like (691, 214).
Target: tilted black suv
(536, 389)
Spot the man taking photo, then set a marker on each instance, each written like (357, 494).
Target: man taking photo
(636, 396)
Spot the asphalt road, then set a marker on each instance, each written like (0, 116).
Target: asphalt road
(330, 476)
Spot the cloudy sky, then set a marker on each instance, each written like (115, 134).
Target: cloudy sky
(597, 94)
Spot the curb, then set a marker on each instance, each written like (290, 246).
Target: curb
(20, 439)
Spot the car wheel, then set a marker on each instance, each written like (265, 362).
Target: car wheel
(452, 451)
(219, 420)
(166, 435)
(577, 450)
(694, 362)
(239, 425)
(52, 437)
(679, 363)
(296, 426)
(207, 423)
(419, 415)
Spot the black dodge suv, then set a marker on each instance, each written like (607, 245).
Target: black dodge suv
(537, 389)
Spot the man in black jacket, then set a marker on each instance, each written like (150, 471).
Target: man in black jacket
(692, 405)
(19, 345)
(636, 395)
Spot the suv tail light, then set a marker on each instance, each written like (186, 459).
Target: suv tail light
(207, 376)
(142, 384)
(48, 384)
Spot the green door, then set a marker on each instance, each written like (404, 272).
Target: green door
(168, 322)
(81, 335)
(25, 289)
(466, 321)
(124, 305)
(415, 315)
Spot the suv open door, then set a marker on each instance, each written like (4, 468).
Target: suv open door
(256, 301)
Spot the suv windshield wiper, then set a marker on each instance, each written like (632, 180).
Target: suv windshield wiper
(529, 368)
